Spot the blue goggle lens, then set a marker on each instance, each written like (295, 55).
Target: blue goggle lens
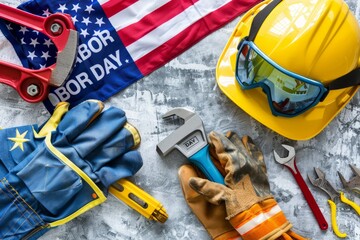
(288, 94)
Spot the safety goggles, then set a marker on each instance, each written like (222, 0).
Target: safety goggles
(288, 94)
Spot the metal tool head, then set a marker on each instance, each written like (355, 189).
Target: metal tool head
(65, 60)
(188, 138)
(324, 184)
(354, 183)
(291, 154)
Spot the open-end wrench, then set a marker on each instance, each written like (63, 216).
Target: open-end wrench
(290, 163)
(354, 183)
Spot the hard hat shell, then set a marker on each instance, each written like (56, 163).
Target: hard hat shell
(319, 40)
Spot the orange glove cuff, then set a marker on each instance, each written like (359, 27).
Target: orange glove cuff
(231, 235)
(263, 220)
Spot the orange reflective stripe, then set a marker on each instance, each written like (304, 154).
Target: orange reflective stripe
(263, 220)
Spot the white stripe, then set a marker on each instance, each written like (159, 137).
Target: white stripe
(258, 220)
(101, 2)
(135, 12)
(174, 26)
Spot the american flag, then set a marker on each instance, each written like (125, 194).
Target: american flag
(120, 42)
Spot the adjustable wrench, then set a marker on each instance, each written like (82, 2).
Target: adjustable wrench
(191, 141)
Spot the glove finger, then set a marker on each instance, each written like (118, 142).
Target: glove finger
(106, 129)
(212, 217)
(214, 193)
(185, 173)
(124, 166)
(79, 117)
(114, 146)
(215, 158)
(52, 123)
(232, 157)
(253, 150)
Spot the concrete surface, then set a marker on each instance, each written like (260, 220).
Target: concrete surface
(189, 81)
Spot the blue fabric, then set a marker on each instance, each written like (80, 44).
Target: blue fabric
(37, 187)
(11, 153)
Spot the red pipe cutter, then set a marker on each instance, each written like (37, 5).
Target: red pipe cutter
(32, 85)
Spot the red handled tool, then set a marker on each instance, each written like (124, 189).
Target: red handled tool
(289, 162)
(32, 85)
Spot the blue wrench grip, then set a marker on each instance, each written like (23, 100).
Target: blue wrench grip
(202, 160)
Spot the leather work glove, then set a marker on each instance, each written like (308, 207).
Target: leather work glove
(69, 171)
(212, 217)
(250, 207)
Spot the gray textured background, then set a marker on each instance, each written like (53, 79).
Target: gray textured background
(189, 81)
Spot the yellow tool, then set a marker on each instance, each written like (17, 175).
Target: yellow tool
(139, 200)
(326, 186)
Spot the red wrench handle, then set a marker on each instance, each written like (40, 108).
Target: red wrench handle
(56, 26)
(32, 85)
(308, 196)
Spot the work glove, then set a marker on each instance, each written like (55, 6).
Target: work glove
(250, 207)
(212, 217)
(19, 142)
(70, 171)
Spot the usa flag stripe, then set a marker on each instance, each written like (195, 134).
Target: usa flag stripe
(134, 13)
(136, 31)
(113, 7)
(171, 28)
(174, 47)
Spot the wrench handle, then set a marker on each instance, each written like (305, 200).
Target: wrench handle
(308, 196)
(21, 79)
(41, 24)
(202, 160)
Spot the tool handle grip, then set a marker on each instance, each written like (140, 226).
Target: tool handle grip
(309, 197)
(350, 203)
(333, 220)
(202, 160)
(20, 17)
(138, 199)
(21, 79)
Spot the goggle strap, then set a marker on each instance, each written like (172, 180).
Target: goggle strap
(348, 80)
(260, 17)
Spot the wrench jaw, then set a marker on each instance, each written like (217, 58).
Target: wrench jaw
(180, 112)
(284, 160)
(354, 183)
(189, 138)
(65, 60)
(324, 184)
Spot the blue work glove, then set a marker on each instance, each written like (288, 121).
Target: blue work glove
(70, 171)
(19, 142)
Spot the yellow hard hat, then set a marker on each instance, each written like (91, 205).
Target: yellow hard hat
(316, 43)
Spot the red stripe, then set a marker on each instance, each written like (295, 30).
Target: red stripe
(112, 7)
(193, 34)
(154, 19)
